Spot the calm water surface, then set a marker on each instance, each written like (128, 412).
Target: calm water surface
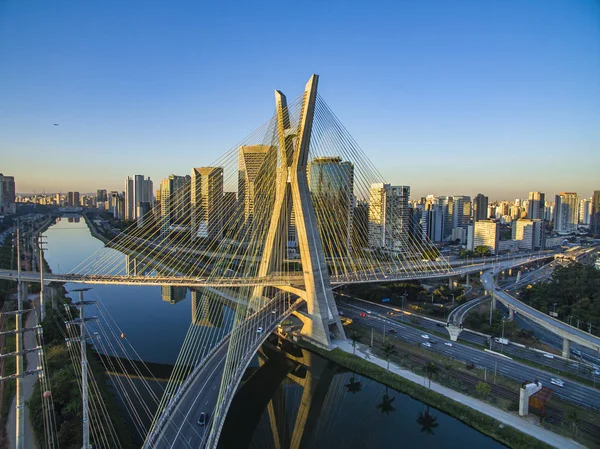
(343, 410)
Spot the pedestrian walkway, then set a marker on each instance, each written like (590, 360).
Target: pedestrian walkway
(507, 418)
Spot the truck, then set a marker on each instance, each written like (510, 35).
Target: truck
(502, 341)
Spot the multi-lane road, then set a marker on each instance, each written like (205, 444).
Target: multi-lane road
(383, 323)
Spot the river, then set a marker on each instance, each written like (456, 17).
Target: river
(341, 410)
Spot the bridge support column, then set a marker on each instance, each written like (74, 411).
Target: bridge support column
(468, 280)
(566, 348)
(527, 390)
(450, 283)
(454, 331)
(511, 314)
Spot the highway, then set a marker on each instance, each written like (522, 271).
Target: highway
(574, 335)
(180, 428)
(572, 391)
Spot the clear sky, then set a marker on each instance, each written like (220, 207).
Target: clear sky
(449, 97)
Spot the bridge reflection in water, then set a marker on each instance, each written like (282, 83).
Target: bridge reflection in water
(292, 398)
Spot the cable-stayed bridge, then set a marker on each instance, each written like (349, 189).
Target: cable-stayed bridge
(269, 229)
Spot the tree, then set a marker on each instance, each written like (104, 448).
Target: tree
(483, 389)
(573, 419)
(353, 386)
(427, 421)
(386, 403)
(355, 337)
(389, 350)
(431, 368)
(482, 251)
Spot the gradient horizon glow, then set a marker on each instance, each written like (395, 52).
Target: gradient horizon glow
(500, 97)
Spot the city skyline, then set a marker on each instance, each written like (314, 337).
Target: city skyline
(432, 107)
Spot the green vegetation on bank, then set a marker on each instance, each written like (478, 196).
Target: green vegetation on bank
(505, 434)
(66, 392)
(573, 293)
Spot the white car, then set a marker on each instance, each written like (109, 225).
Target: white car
(426, 344)
(259, 330)
(548, 356)
(557, 382)
(425, 336)
(448, 344)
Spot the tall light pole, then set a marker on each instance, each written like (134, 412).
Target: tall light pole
(403, 298)
(84, 364)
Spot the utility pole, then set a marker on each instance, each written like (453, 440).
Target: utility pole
(371, 337)
(84, 365)
(491, 305)
(41, 263)
(403, 298)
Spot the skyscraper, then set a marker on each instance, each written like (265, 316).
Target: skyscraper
(331, 184)
(585, 208)
(73, 199)
(7, 195)
(389, 217)
(207, 208)
(537, 201)
(566, 212)
(137, 190)
(480, 207)
(174, 202)
(529, 233)
(257, 168)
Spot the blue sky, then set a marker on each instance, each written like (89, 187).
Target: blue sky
(449, 97)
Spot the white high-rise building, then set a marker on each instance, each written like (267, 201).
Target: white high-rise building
(566, 212)
(486, 233)
(528, 233)
(389, 217)
(585, 211)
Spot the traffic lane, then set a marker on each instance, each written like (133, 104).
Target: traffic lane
(183, 430)
(572, 391)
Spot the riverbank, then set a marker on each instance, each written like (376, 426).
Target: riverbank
(507, 428)
(93, 229)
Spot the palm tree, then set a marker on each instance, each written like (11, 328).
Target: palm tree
(427, 421)
(389, 350)
(386, 403)
(353, 386)
(355, 337)
(431, 368)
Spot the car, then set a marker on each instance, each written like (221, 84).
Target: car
(393, 331)
(274, 311)
(425, 336)
(448, 344)
(369, 312)
(341, 312)
(203, 419)
(548, 356)
(259, 330)
(363, 314)
(426, 344)
(557, 382)
(596, 372)
(390, 313)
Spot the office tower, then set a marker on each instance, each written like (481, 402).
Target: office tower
(143, 213)
(537, 201)
(207, 208)
(595, 213)
(486, 233)
(415, 230)
(529, 233)
(585, 207)
(117, 205)
(566, 212)
(100, 198)
(434, 218)
(480, 207)
(137, 190)
(389, 217)
(73, 199)
(331, 184)
(467, 208)
(7, 195)
(549, 211)
(174, 202)
(257, 168)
